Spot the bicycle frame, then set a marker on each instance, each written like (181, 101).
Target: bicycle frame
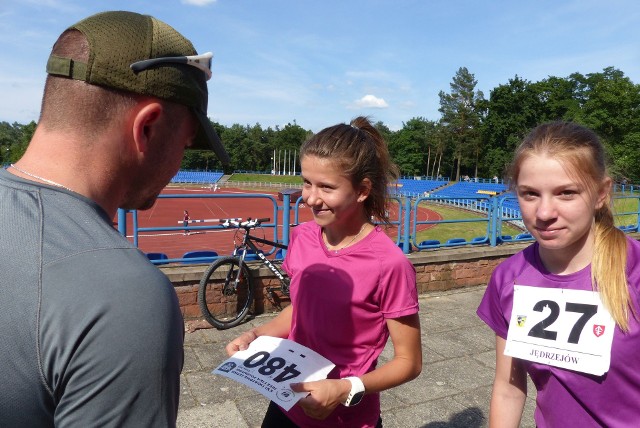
(248, 242)
(230, 301)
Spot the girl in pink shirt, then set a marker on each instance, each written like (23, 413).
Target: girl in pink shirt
(351, 287)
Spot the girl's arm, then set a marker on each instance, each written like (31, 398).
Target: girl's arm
(407, 358)
(326, 395)
(509, 390)
(277, 327)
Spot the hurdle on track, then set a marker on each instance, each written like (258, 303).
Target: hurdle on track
(210, 220)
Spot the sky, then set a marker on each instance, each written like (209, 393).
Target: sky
(322, 62)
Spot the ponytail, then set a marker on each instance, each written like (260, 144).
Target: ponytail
(608, 268)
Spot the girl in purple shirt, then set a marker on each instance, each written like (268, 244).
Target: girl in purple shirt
(351, 286)
(581, 281)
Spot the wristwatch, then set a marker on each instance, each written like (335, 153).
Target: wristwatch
(356, 393)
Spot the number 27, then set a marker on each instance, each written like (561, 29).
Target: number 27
(540, 329)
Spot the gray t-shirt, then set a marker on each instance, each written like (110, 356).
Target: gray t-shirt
(91, 332)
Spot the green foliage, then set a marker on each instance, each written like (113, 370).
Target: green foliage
(14, 139)
(409, 147)
(461, 118)
(607, 102)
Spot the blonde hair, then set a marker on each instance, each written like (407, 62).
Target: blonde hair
(361, 152)
(580, 151)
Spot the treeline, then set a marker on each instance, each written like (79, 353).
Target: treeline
(475, 135)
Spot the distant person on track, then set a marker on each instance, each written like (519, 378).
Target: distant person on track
(91, 331)
(351, 287)
(185, 222)
(565, 309)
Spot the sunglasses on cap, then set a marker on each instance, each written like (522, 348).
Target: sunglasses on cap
(203, 62)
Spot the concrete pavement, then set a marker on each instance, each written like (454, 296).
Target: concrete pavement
(453, 390)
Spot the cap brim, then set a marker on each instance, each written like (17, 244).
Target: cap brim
(207, 139)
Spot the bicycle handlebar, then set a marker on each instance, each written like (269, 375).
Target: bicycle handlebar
(247, 224)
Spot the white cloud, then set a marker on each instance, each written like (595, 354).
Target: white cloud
(371, 101)
(198, 2)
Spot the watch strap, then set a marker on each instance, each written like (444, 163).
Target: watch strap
(356, 393)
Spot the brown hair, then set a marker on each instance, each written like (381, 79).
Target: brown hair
(580, 151)
(72, 104)
(360, 150)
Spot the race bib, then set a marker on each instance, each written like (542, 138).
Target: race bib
(562, 328)
(270, 365)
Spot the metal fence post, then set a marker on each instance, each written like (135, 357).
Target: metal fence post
(122, 222)
(494, 218)
(286, 218)
(406, 235)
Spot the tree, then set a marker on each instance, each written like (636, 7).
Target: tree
(462, 118)
(512, 111)
(557, 97)
(611, 108)
(410, 146)
(9, 135)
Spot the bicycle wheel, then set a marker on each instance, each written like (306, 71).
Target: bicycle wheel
(225, 293)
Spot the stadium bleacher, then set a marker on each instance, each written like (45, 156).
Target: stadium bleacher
(471, 189)
(413, 187)
(197, 177)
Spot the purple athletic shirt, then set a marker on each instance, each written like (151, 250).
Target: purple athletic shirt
(566, 398)
(341, 302)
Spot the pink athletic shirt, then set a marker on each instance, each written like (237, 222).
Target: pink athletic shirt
(566, 398)
(341, 302)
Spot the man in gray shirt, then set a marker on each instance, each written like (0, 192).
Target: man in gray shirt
(90, 332)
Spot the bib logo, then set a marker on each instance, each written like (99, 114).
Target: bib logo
(598, 330)
(521, 319)
(285, 395)
(227, 367)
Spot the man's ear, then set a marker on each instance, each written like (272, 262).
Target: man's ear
(364, 189)
(145, 125)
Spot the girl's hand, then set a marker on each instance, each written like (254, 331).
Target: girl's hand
(241, 342)
(277, 327)
(324, 396)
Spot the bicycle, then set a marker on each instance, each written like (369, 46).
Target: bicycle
(226, 289)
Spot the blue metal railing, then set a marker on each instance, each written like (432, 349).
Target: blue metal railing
(493, 211)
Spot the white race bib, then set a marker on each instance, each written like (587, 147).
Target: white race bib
(563, 328)
(270, 365)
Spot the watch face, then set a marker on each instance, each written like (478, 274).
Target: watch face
(356, 398)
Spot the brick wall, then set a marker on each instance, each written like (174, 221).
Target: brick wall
(437, 270)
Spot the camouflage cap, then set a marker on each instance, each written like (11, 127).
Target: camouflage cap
(119, 39)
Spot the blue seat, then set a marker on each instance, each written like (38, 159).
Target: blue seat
(157, 258)
(453, 242)
(199, 256)
(523, 237)
(429, 243)
(505, 238)
(279, 254)
(401, 246)
(632, 228)
(479, 240)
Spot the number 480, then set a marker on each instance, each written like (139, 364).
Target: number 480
(270, 366)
